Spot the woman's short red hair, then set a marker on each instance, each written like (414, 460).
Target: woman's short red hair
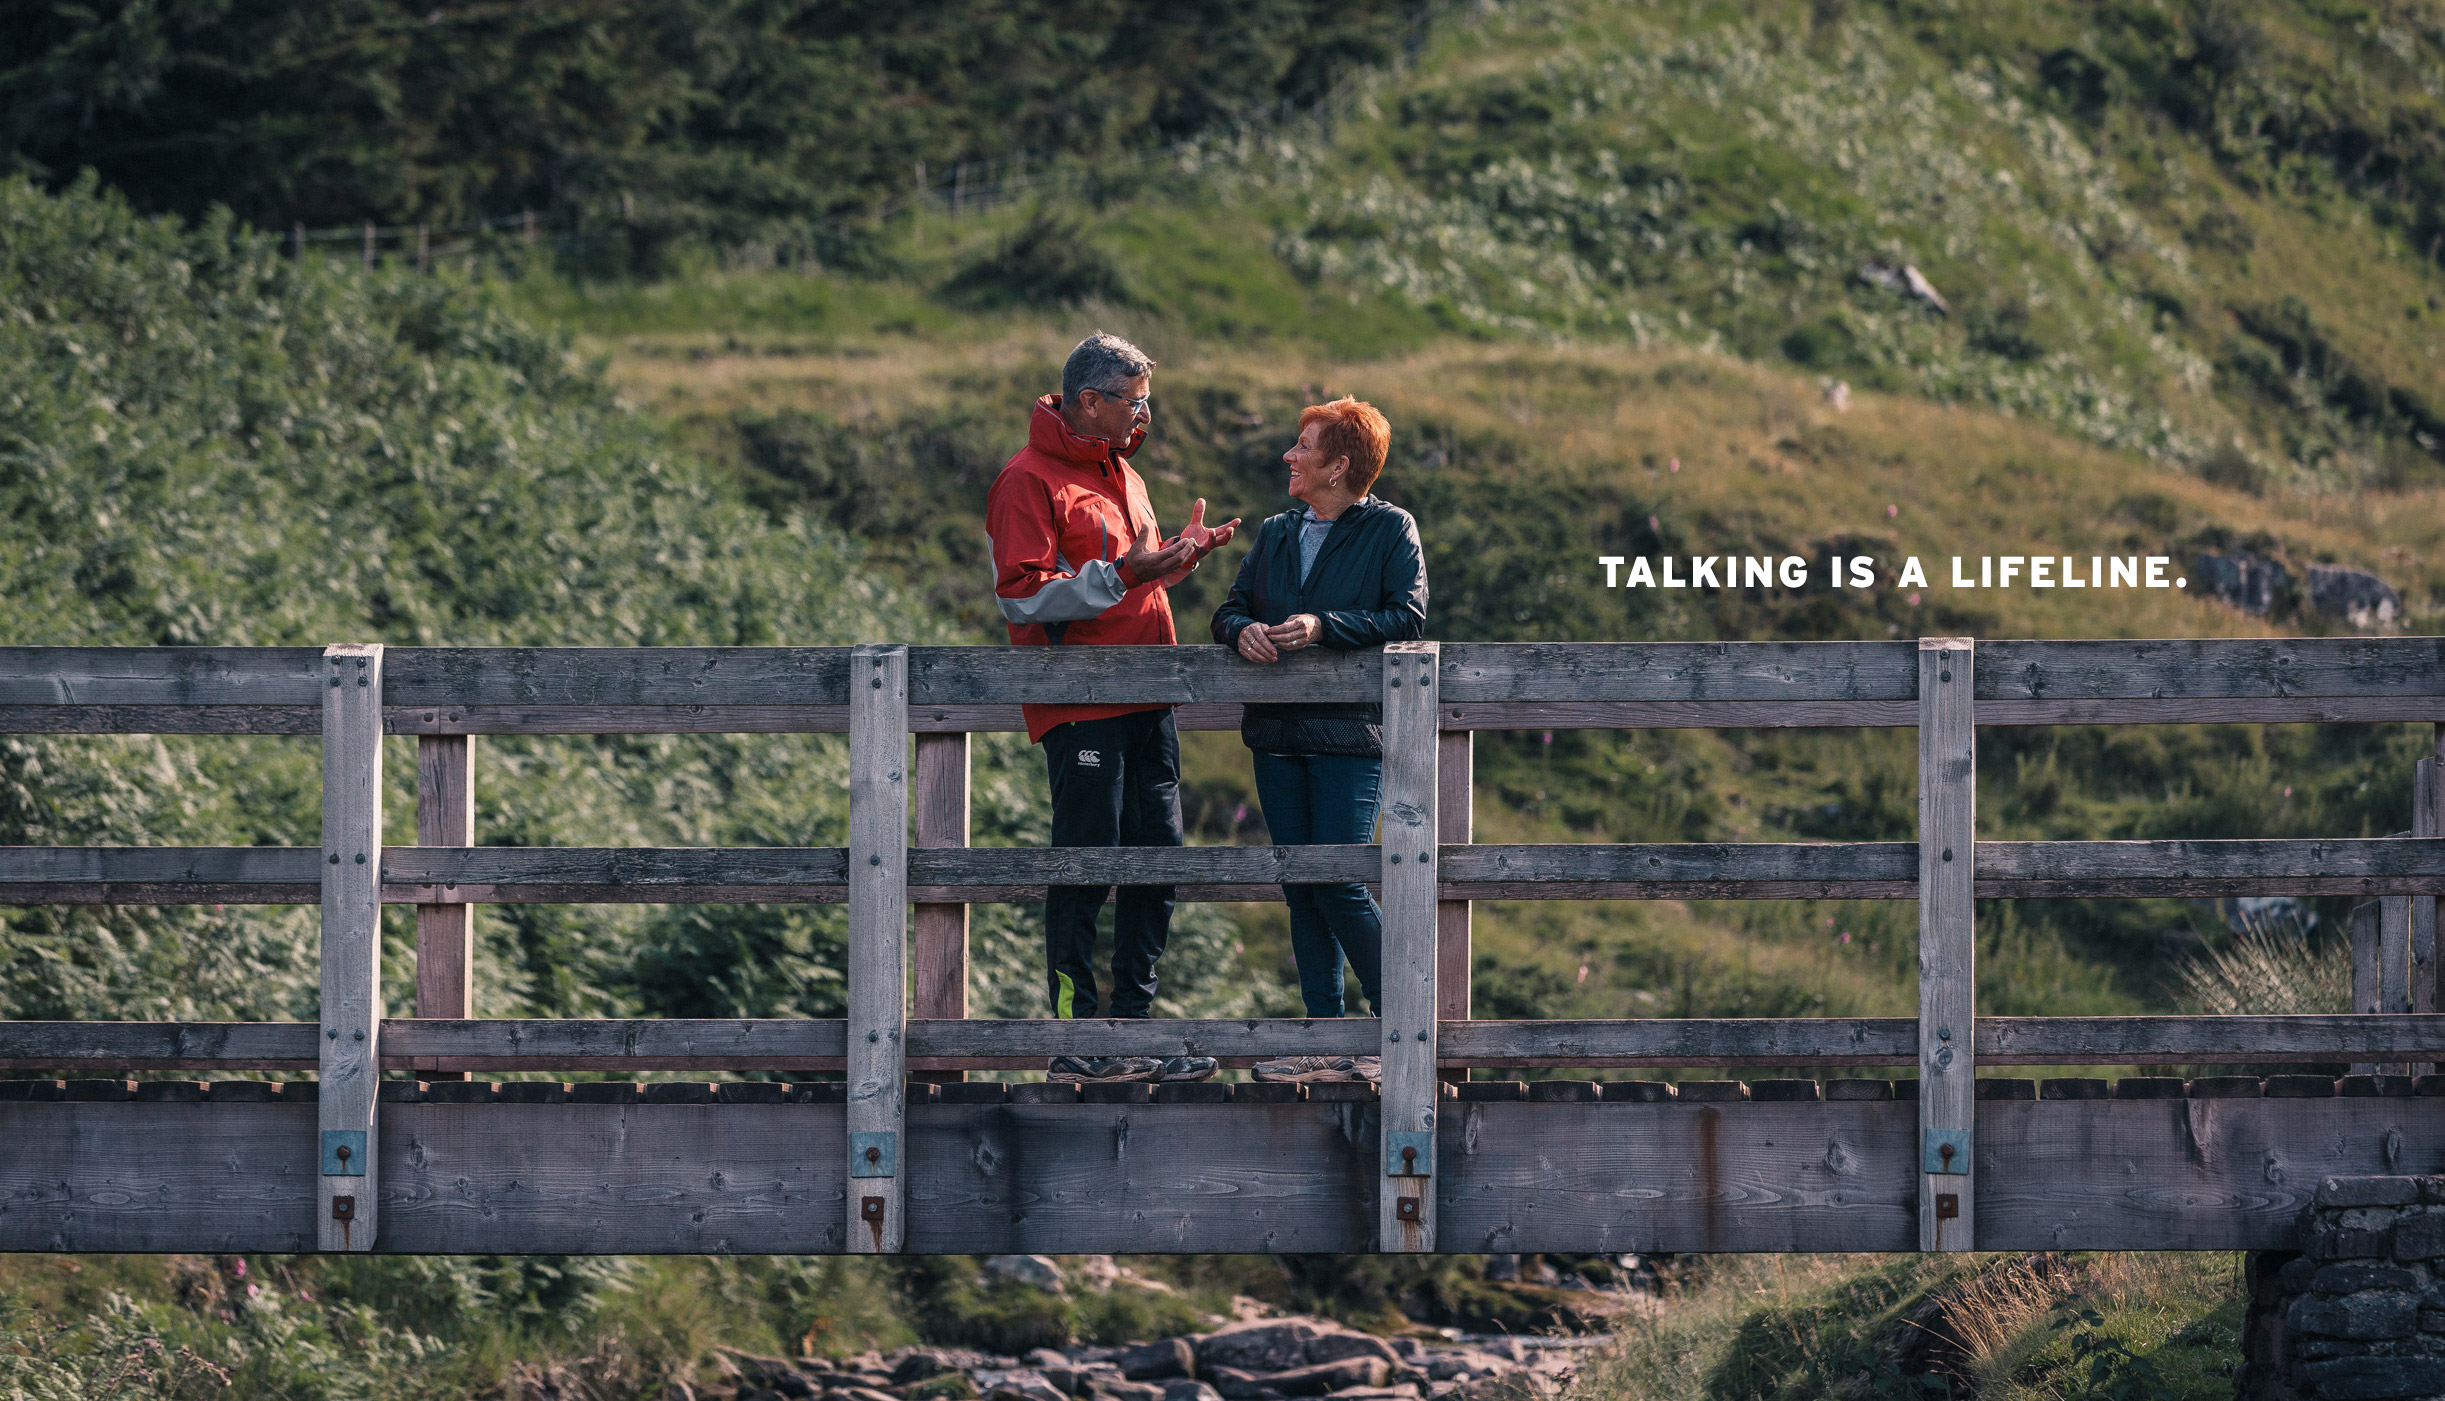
(1353, 430)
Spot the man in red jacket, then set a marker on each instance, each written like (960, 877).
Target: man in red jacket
(1079, 562)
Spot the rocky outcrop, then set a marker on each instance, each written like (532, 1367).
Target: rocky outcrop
(1273, 1359)
(2356, 596)
(2359, 1311)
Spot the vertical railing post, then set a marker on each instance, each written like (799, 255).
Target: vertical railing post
(1948, 950)
(445, 934)
(1455, 819)
(878, 945)
(1405, 1217)
(941, 942)
(2367, 932)
(345, 1203)
(2427, 820)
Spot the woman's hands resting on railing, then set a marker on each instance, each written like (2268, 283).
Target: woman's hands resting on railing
(1259, 643)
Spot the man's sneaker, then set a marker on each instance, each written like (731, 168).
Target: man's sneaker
(1308, 1070)
(1180, 1070)
(1103, 1070)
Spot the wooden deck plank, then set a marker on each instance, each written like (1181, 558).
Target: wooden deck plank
(730, 1179)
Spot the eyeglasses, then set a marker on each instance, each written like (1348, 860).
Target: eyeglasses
(1136, 406)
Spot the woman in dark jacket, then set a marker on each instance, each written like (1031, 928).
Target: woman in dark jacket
(1342, 570)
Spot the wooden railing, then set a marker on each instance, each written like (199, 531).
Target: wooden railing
(1425, 865)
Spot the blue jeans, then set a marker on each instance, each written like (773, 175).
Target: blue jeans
(1327, 799)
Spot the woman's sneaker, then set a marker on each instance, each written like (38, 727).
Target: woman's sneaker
(1103, 1070)
(1309, 1070)
(1181, 1070)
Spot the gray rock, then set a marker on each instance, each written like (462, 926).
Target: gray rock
(1064, 1377)
(1334, 1347)
(918, 1365)
(1037, 1270)
(1503, 1269)
(2368, 1191)
(1238, 1385)
(2421, 1236)
(1172, 1357)
(1265, 1345)
(2356, 1316)
(2375, 1378)
(1448, 1366)
(2432, 1190)
(1046, 1357)
(2295, 1276)
(1127, 1390)
(1184, 1389)
(2354, 595)
(2244, 581)
(1025, 1386)
(2355, 1278)
(2326, 1241)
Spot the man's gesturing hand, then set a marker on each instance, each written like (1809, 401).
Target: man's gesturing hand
(1148, 560)
(1207, 540)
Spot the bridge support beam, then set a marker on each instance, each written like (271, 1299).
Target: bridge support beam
(346, 1199)
(1948, 950)
(941, 941)
(1405, 1215)
(1455, 820)
(878, 948)
(445, 934)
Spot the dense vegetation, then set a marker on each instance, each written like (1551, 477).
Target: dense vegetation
(771, 124)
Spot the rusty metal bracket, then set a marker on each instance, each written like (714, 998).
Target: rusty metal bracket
(1406, 1209)
(343, 1152)
(872, 1155)
(1946, 1151)
(870, 1209)
(343, 1208)
(1409, 1154)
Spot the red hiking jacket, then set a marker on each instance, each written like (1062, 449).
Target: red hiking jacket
(1063, 512)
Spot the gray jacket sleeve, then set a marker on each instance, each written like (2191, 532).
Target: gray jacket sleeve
(1085, 594)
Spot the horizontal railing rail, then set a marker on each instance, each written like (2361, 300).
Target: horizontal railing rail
(583, 690)
(491, 875)
(749, 1046)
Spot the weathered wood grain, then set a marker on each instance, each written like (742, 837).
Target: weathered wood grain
(161, 719)
(1948, 939)
(203, 1178)
(794, 1044)
(1010, 1179)
(159, 1045)
(2193, 1174)
(589, 1179)
(1410, 855)
(1678, 671)
(1127, 675)
(2427, 820)
(1827, 1041)
(1753, 870)
(618, 676)
(445, 933)
(161, 676)
(351, 1013)
(1455, 824)
(939, 934)
(725, 719)
(1677, 715)
(875, 1207)
(2212, 668)
(2206, 1040)
(1675, 1177)
(633, 1179)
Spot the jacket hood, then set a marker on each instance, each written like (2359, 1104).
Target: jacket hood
(1049, 433)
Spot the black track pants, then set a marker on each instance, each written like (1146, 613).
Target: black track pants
(1116, 782)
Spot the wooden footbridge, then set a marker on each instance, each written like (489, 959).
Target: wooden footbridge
(859, 1156)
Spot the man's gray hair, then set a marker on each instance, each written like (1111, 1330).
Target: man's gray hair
(1102, 362)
